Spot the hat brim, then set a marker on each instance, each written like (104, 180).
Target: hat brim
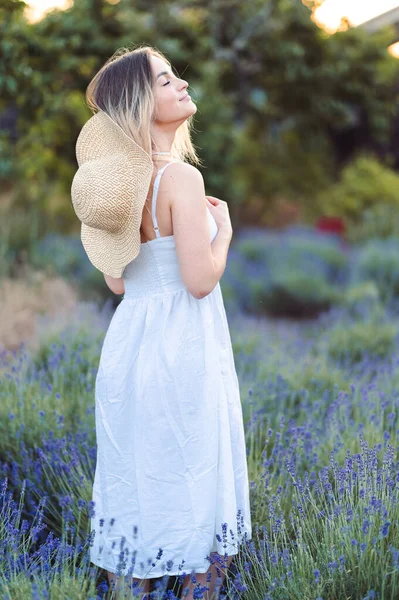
(110, 252)
(111, 166)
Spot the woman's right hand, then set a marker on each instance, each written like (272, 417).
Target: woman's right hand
(220, 211)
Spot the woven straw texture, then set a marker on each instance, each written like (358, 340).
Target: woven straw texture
(108, 193)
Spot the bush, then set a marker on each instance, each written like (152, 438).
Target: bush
(295, 273)
(381, 221)
(297, 295)
(367, 193)
(377, 261)
(359, 334)
(353, 343)
(365, 292)
(18, 231)
(358, 299)
(288, 154)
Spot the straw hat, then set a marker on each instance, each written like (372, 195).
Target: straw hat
(108, 193)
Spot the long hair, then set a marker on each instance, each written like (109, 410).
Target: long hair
(123, 88)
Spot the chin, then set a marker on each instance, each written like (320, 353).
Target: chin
(191, 110)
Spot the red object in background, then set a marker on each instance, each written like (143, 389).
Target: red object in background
(331, 225)
(334, 225)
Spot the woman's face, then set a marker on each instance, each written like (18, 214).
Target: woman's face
(171, 101)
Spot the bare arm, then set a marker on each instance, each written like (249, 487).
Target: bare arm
(115, 284)
(201, 263)
(220, 248)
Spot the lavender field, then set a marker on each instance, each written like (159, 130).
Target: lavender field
(320, 399)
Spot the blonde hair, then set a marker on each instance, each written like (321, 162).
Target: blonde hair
(123, 88)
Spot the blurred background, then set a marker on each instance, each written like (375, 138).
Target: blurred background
(297, 126)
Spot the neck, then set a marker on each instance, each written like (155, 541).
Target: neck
(163, 136)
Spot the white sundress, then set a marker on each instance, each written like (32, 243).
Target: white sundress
(171, 482)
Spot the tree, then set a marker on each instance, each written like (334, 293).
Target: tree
(282, 105)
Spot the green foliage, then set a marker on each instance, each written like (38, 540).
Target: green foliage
(298, 273)
(297, 295)
(351, 344)
(365, 196)
(377, 261)
(379, 221)
(274, 93)
(78, 348)
(359, 294)
(19, 230)
(273, 169)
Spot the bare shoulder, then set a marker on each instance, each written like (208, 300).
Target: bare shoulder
(184, 169)
(182, 177)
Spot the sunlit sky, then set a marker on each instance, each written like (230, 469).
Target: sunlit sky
(329, 14)
(357, 11)
(37, 8)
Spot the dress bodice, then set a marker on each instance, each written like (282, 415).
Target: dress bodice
(156, 268)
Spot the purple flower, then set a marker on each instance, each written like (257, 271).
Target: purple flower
(91, 511)
(384, 529)
(158, 556)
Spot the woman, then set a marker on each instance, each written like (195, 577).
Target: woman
(171, 487)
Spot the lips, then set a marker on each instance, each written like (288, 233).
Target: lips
(184, 97)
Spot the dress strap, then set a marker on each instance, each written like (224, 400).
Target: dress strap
(154, 197)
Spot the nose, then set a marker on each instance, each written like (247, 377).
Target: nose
(184, 84)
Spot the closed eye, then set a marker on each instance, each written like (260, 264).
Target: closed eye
(166, 83)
